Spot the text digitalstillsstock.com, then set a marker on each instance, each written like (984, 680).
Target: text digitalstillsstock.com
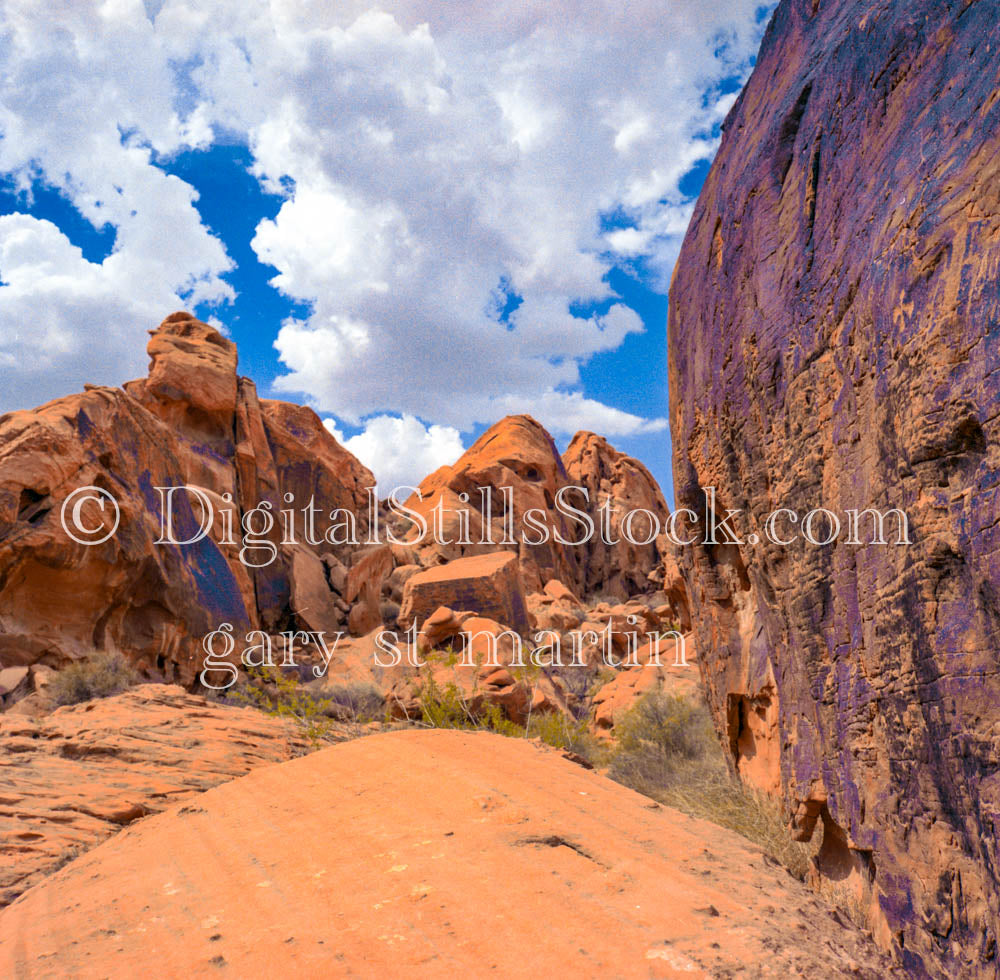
(91, 515)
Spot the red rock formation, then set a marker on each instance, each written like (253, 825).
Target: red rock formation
(487, 584)
(518, 453)
(369, 570)
(612, 564)
(76, 777)
(421, 854)
(678, 675)
(833, 344)
(192, 421)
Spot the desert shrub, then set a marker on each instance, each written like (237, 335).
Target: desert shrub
(577, 683)
(657, 734)
(281, 695)
(444, 707)
(388, 609)
(99, 676)
(360, 701)
(572, 734)
(667, 750)
(66, 855)
(450, 707)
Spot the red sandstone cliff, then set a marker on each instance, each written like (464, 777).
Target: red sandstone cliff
(195, 421)
(833, 343)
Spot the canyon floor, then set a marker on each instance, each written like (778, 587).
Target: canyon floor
(408, 853)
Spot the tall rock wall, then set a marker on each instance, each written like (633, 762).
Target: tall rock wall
(835, 342)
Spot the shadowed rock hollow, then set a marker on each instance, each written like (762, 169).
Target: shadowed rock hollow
(833, 343)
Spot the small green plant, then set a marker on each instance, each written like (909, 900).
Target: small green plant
(661, 729)
(573, 734)
(448, 706)
(99, 676)
(281, 696)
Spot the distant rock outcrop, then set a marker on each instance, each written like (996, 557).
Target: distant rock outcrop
(612, 563)
(833, 343)
(561, 493)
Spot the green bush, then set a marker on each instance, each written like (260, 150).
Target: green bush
(449, 707)
(665, 728)
(99, 676)
(282, 696)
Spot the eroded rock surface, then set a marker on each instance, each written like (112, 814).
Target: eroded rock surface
(544, 489)
(77, 776)
(833, 343)
(193, 421)
(612, 562)
(421, 854)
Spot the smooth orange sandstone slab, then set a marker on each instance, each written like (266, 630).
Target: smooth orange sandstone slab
(426, 853)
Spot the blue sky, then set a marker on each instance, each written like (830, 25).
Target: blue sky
(413, 216)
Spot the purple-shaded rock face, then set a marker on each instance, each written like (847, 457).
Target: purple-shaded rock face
(193, 421)
(835, 342)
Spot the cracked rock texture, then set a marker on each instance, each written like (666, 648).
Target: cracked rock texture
(77, 776)
(834, 325)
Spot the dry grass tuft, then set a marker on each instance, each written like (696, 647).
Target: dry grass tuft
(667, 750)
(99, 676)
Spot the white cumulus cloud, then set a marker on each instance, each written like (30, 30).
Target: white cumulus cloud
(401, 451)
(435, 159)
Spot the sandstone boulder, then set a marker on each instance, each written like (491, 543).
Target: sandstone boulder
(312, 599)
(559, 592)
(487, 584)
(369, 569)
(547, 613)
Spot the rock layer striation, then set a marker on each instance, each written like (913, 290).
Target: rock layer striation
(833, 343)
